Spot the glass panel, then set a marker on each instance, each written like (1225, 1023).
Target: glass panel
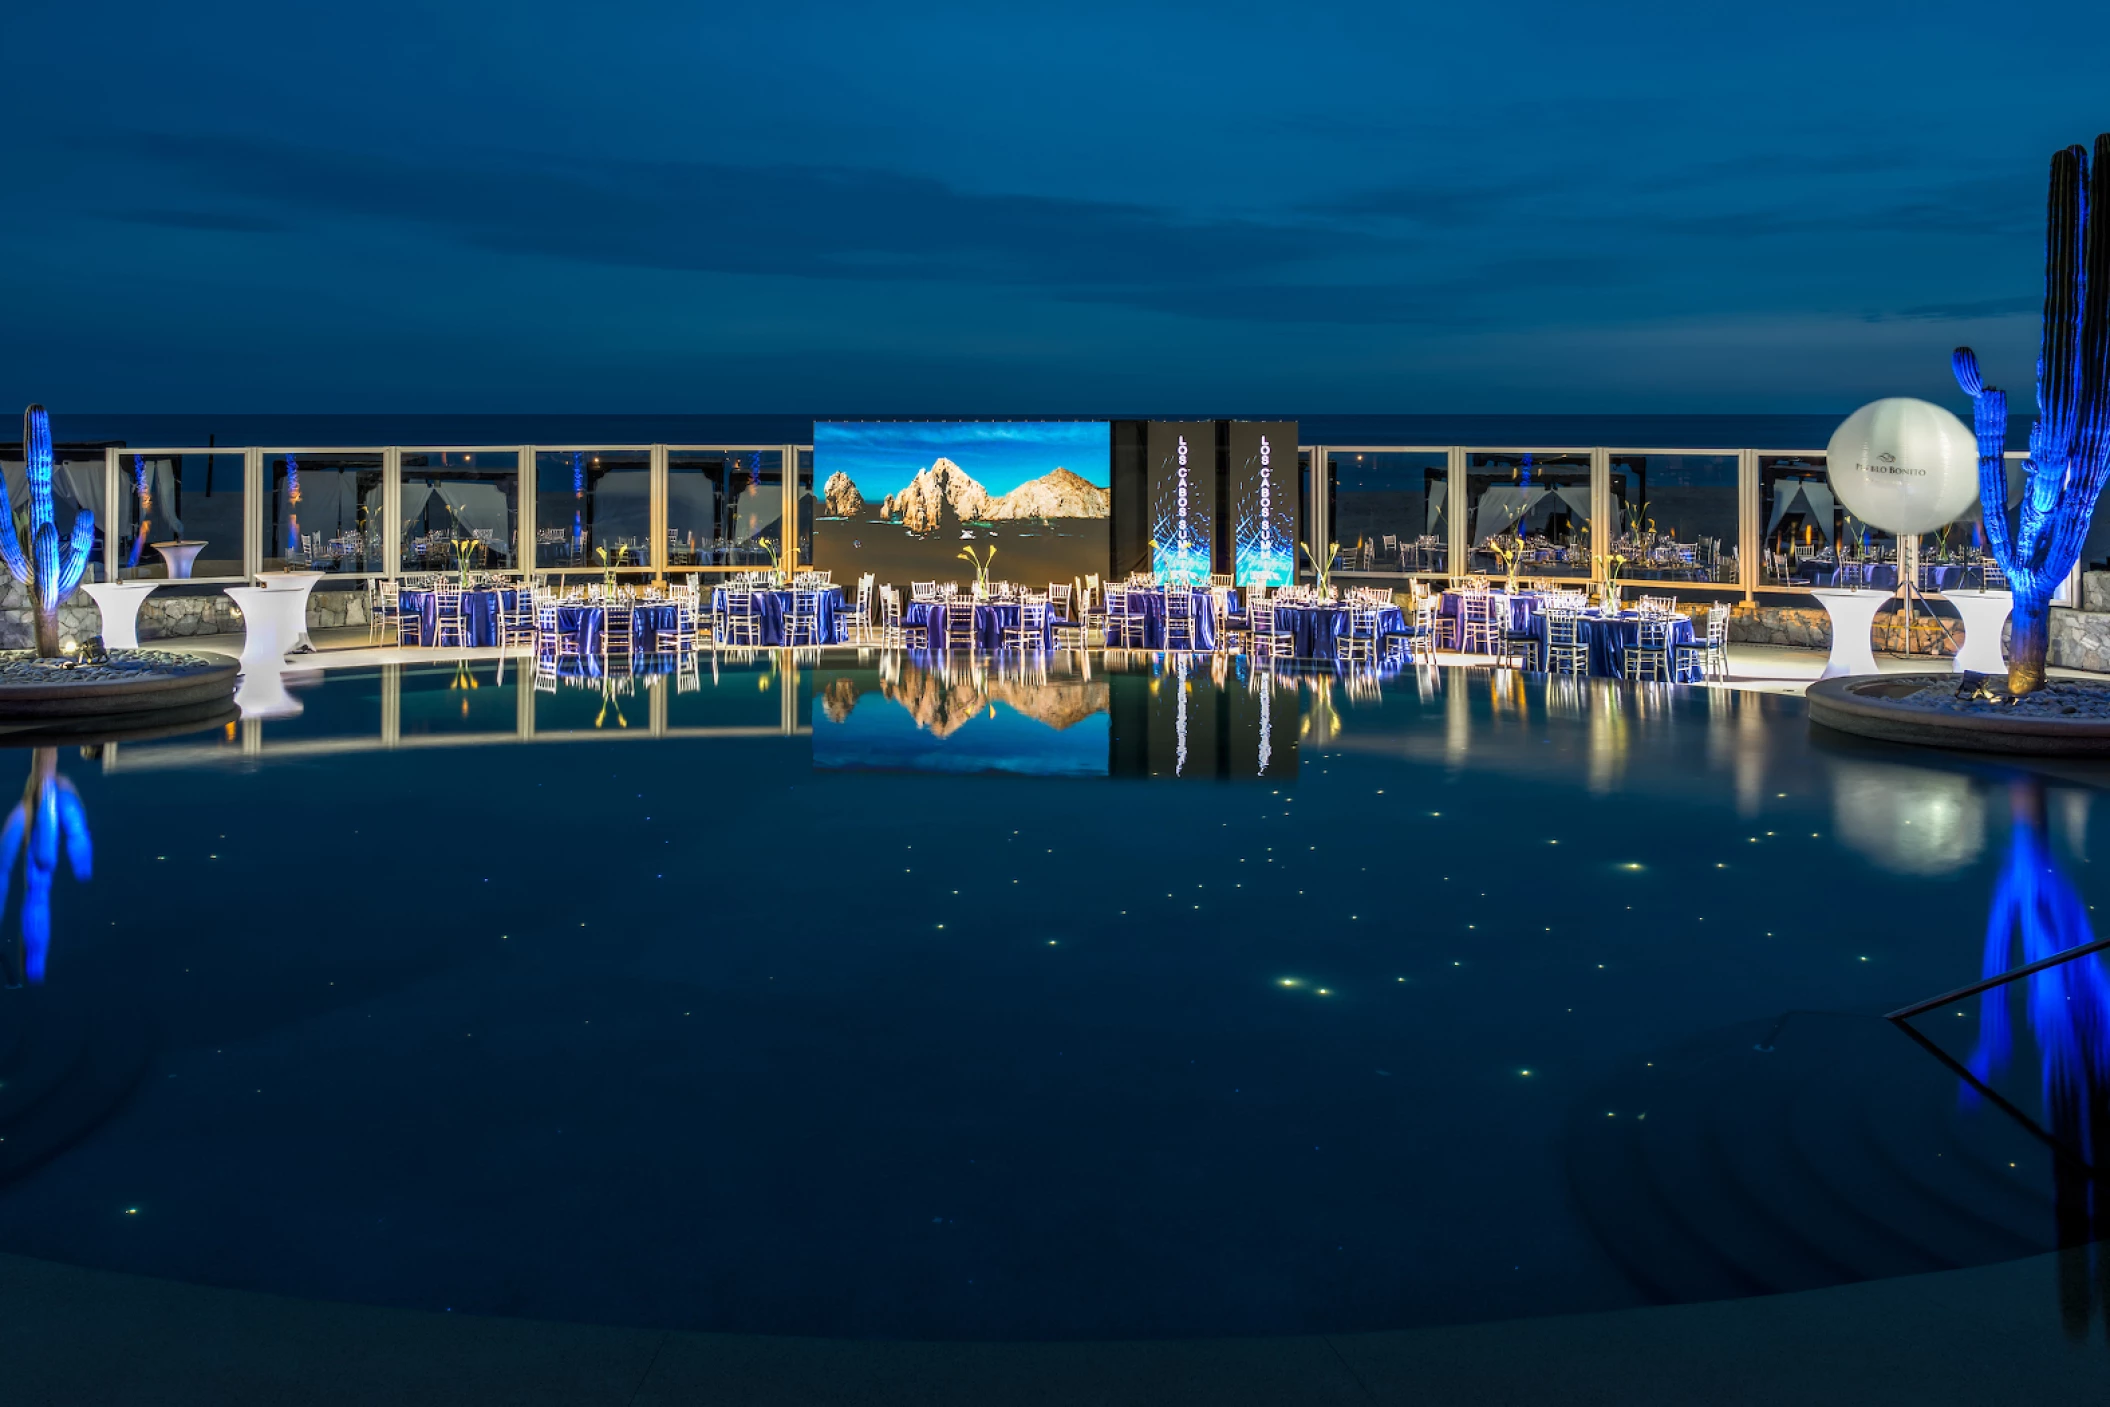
(1542, 498)
(322, 512)
(1674, 516)
(1956, 556)
(724, 507)
(593, 501)
(76, 483)
(181, 497)
(1391, 509)
(1799, 520)
(456, 496)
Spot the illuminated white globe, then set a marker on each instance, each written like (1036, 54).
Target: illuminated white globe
(1904, 466)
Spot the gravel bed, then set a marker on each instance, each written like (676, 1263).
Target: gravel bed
(2059, 698)
(18, 667)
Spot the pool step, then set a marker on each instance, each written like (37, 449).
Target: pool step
(1799, 1152)
(64, 1069)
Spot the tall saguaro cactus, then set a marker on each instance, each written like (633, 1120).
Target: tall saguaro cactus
(49, 572)
(2069, 446)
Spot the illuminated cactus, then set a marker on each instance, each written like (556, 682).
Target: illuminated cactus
(2069, 446)
(50, 810)
(48, 572)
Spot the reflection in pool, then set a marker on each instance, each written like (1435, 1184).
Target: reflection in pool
(50, 809)
(858, 993)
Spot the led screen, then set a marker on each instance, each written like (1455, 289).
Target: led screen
(905, 500)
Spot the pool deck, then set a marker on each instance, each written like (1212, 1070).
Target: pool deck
(1979, 1336)
(1760, 668)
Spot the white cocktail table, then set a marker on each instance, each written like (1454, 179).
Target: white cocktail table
(301, 584)
(271, 622)
(1983, 613)
(179, 556)
(1853, 616)
(118, 603)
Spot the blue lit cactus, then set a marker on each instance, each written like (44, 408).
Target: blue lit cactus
(48, 572)
(50, 810)
(2069, 446)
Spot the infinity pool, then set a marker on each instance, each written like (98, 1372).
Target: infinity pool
(870, 995)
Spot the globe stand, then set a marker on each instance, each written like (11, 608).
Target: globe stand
(1909, 588)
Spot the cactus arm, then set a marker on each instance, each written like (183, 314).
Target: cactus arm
(1989, 421)
(75, 564)
(11, 541)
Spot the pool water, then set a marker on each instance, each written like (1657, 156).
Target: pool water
(883, 996)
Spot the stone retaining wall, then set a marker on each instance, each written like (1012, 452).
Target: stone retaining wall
(2079, 639)
(164, 616)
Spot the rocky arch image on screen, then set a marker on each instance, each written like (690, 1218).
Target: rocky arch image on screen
(904, 499)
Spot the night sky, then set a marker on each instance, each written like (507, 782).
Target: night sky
(1071, 208)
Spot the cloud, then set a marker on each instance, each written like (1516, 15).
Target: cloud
(225, 221)
(809, 221)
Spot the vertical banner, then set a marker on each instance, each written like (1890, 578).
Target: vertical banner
(1182, 456)
(1263, 508)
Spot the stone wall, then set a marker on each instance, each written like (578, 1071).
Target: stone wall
(2079, 639)
(1809, 628)
(164, 615)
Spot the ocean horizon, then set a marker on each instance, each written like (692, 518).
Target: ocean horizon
(321, 431)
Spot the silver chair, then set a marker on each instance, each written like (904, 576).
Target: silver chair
(1269, 642)
(1648, 658)
(1179, 618)
(1711, 649)
(1566, 652)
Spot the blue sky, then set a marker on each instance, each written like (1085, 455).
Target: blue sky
(881, 457)
(1081, 208)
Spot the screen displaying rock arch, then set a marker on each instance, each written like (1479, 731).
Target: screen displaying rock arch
(908, 500)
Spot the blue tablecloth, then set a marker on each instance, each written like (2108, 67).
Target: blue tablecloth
(479, 613)
(775, 605)
(1883, 576)
(646, 625)
(1521, 606)
(991, 620)
(1609, 638)
(1151, 606)
(1313, 630)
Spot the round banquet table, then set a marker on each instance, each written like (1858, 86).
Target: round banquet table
(775, 605)
(1610, 637)
(991, 620)
(1521, 607)
(479, 613)
(647, 624)
(1313, 630)
(1151, 606)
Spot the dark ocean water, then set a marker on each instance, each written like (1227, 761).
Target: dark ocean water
(1513, 431)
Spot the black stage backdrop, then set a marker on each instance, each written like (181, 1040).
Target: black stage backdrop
(1182, 458)
(1263, 522)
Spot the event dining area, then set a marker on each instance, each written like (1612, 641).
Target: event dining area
(1542, 626)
